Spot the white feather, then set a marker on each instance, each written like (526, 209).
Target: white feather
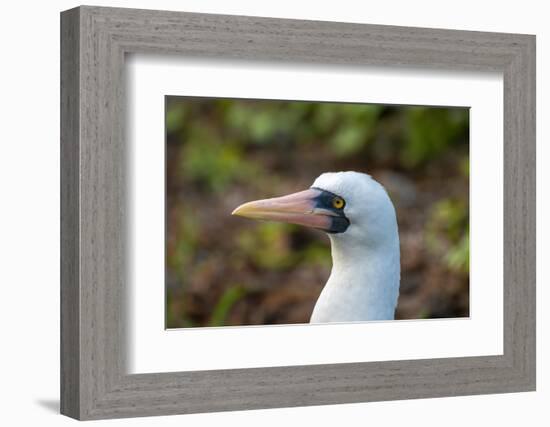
(364, 281)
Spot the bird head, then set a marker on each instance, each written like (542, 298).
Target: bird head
(347, 205)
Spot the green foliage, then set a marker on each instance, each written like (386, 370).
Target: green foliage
(317, 254)
(183, 243)
(229, 298)
(458, 257)
(213, 164)
(424, 314)
(259, 125)
(175, 117)
(354, 125)
(448, 233)
(429, 132)
(266, 245)
(214, 153)
(465, 166)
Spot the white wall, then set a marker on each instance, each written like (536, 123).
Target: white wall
(29, 226)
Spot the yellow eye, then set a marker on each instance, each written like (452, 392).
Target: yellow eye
(338, 203)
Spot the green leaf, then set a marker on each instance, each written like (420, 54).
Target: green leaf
(349, 140)
(175, 118)
(228, 299)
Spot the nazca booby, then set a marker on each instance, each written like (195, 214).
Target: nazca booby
(361, 223)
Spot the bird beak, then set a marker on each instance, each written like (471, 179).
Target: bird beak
(297, 208)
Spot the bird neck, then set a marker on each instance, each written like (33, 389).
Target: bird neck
(363, 284)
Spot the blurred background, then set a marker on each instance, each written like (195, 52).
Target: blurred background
(225, 270)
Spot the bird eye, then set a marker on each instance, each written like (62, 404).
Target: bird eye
(338, 203)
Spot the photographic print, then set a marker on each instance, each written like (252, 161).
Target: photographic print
(292, 212)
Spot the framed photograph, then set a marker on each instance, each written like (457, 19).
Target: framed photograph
(261, 213)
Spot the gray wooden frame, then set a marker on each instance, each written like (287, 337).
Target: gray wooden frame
(94, 41)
